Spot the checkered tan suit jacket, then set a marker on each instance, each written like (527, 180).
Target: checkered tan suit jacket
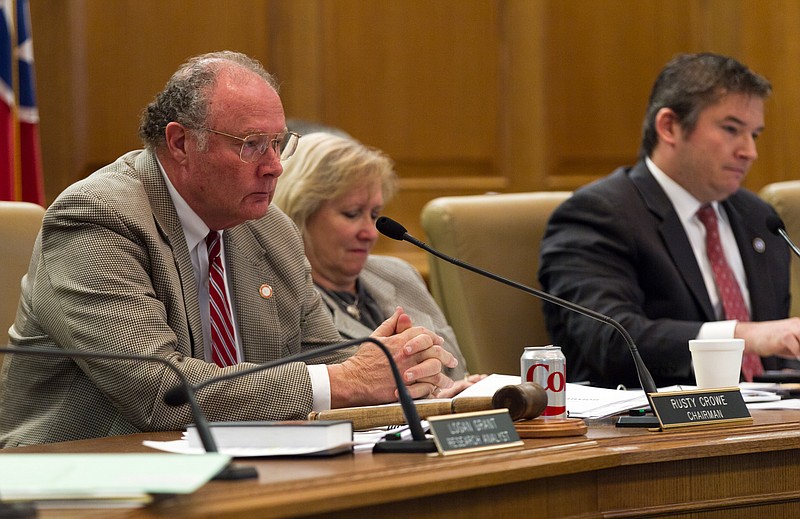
(111, 272)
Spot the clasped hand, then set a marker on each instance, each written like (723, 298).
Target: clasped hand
(419, 356)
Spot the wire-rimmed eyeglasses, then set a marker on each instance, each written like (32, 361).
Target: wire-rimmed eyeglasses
(255, 145)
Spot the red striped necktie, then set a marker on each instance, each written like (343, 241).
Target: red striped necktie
(223, 342)
(729, 291)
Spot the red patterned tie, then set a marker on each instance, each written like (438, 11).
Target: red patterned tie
(223, 342)
(729, 291)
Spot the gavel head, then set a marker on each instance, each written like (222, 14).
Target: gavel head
(524, 401)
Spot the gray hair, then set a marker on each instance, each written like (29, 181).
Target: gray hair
(326, 167)
(185, 97)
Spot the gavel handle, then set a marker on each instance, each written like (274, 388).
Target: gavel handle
(370, 417)
(524, 401)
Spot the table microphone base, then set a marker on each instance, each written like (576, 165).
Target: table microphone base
(647, 421)
(405, 446)
(233, 472)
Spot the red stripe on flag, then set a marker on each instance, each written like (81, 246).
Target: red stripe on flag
(7, 172)
(31, 183)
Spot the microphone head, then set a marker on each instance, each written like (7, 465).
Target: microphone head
(774, 224)
(176, 396)
(390, 228)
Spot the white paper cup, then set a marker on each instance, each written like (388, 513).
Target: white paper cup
(717, 362)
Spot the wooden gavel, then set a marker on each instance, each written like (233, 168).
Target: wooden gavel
(524, 402)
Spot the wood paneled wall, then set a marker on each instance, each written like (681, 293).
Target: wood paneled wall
(467, 96)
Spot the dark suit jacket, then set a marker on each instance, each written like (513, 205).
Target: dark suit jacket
(617, 247)
(111, 272)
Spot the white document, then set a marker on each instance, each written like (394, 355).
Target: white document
(582, 401)
(596, 402)
(362, 441)
(106, 479)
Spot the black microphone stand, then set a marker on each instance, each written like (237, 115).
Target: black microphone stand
(396, 231)
(418, 442)
(229, 472)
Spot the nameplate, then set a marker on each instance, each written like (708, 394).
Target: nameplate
(471, 432)
(700, 407)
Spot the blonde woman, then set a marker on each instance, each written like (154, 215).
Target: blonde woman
(334, 189)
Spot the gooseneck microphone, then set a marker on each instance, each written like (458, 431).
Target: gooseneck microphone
(418, 442)
(396, 231)
(775, 226)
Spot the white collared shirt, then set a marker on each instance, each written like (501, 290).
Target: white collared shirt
(686, 206)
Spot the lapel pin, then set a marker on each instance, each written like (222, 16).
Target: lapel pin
(759, 245)
(265, 291)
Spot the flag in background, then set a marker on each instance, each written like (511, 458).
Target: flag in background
(7, 171)
(20, 154)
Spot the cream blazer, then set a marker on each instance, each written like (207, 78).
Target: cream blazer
(394, 282)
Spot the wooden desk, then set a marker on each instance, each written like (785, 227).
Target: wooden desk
(743, 471)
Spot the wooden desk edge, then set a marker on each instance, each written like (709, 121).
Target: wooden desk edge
(363, 479)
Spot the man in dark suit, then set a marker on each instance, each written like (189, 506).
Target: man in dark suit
(123, 265)
(633, 247)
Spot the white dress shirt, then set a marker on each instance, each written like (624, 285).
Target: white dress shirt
(686, 206)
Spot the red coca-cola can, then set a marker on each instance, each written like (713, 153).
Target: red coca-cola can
(547, 366)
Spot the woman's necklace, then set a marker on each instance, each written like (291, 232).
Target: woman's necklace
(353, 309)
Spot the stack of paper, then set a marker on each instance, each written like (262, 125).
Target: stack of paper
(106, 480)
(596, 402)
(259, 438)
